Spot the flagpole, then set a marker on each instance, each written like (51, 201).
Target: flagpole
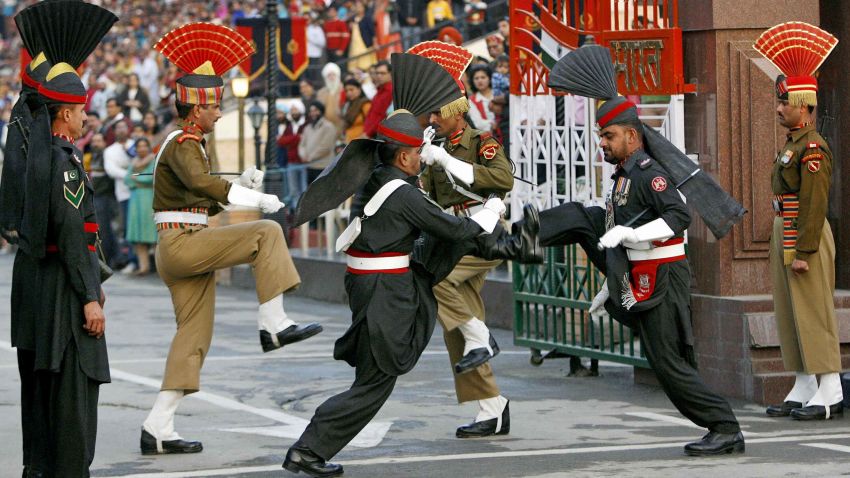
(271, 18)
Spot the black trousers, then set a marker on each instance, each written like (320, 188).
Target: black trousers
(60, 424)
(673, 360)
(340, 418)
(26, 366)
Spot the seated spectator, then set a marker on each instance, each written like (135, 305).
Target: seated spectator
(354, 111)
(141, 230)
(481, 94)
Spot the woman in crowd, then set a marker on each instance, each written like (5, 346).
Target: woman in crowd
(134, 100)
(482, 94)
(141, 230)
(354, 111)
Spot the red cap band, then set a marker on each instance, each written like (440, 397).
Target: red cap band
(400, 137)
(614, 113)
(61, 97)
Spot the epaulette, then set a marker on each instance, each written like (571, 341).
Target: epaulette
(645, 163)
(186, 136)
(812, 145)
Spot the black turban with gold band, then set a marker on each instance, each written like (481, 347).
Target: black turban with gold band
(68, 31)
(205, 52)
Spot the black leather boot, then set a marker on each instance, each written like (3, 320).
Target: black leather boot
(521, 246)
(292, 334)
(151, 446)
(715, 443)
(300, 458)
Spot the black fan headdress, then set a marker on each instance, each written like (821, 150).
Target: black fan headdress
(589, 71)
(420, 85)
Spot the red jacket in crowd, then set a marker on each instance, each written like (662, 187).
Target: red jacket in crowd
(337, 34)
(289, 140)
(380, 104)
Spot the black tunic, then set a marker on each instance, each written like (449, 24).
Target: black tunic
(400, 309)
(643, 193)
(393, 315)
(14, 168)
(48, 310)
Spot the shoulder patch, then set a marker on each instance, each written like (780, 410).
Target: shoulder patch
(488, 151)
(75, 198)
(186, 136)
(645, 163)
(72, 175)
(659, 184)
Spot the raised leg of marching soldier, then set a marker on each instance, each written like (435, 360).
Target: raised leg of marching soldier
(188, 254)
(187, 260)
(470, 346)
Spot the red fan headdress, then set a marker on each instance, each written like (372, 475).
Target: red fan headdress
(205, 51)
(453, 59)
(798, 50)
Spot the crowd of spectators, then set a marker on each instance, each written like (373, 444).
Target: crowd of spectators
(345, 92)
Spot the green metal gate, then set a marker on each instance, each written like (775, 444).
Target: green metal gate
(550, 310)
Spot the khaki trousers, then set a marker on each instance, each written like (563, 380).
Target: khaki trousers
(805, 311)
(187, 260)
(459, 300)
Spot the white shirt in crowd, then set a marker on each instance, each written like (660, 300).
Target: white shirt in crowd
(148, 72)
(316, 41)
(116, 162)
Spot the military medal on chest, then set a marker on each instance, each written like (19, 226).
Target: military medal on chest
(621, 191)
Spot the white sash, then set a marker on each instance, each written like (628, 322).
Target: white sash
(351, 232)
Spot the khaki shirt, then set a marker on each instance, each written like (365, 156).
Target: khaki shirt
(804, 167)
(491, 169)
(182, 177)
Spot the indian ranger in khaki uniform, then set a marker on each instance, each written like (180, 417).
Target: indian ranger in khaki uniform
(469, 167)
(189, 253)
(802, 250)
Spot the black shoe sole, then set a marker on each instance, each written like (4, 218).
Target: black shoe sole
(808, 418)
(181, 451)
(460, 434)
(778, 414)
(294, 468)
(736, 448)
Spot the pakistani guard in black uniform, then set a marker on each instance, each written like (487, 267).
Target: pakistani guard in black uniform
(641, 232)
(390, 294)
(57, 316)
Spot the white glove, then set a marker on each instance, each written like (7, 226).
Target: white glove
(597, 307)
(251, 178)
(428, 135)
(616, 236)
(432, 154)
(496, 205)
(461, 170)
(242, 196)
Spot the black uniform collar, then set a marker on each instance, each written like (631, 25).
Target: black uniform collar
(62, 141)
(630, 162)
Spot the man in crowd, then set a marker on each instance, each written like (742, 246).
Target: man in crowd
(318, 139)
(382, 101)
